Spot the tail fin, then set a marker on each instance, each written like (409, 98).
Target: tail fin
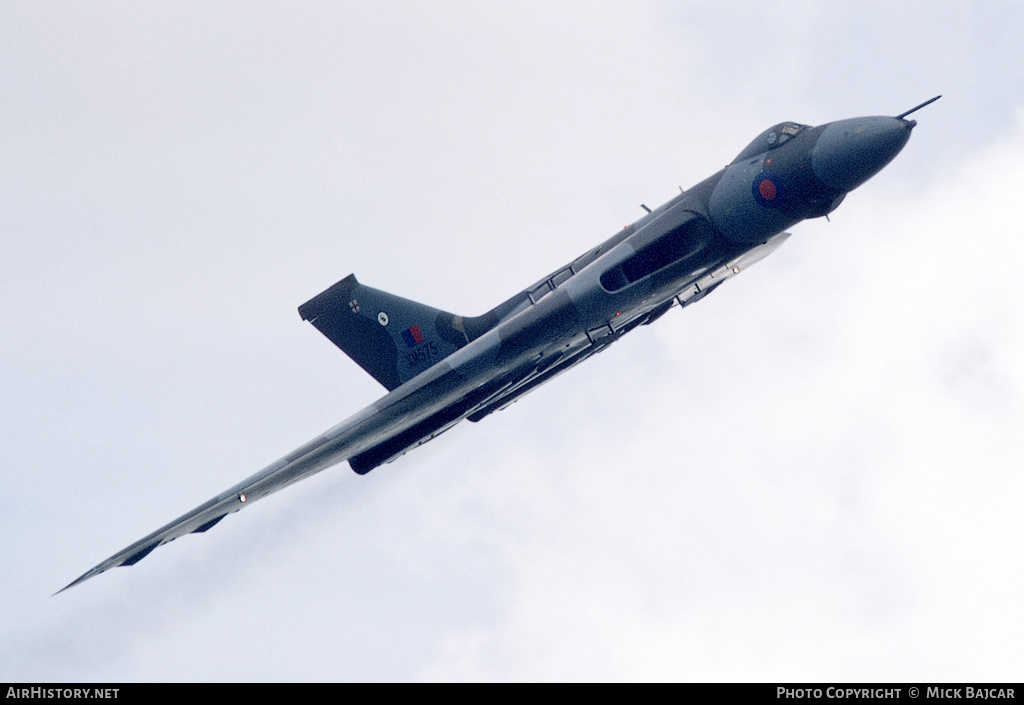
(392, 338)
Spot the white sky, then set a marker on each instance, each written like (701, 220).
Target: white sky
(815, 474)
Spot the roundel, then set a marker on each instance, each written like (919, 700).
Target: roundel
(766, 189)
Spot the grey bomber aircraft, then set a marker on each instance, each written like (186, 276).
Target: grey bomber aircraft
(440, 368)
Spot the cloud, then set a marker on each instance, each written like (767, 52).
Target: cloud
(809, 475)
(819, 484)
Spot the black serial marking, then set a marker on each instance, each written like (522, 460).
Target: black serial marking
(425, 352)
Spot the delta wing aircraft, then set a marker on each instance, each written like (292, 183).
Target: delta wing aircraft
(440, 368)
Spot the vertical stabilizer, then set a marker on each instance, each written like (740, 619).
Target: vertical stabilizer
(392, 338)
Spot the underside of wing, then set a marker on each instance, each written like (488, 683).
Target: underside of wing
(198, 520)
(328, 449)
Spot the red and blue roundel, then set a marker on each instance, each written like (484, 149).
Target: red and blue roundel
(767, 190)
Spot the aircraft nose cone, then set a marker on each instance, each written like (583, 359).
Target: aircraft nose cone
(849, 152)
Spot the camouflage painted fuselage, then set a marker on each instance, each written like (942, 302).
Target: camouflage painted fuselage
(440, 368)
(443, 368)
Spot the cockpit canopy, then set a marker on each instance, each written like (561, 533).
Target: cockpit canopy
(770, 139)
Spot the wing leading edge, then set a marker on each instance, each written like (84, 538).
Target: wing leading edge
(330, 448)
(458, 386)
(370, 433)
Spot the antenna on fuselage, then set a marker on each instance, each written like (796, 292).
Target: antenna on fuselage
(914, 110)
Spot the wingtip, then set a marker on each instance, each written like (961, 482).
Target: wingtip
(118, 559)
(70, 585)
